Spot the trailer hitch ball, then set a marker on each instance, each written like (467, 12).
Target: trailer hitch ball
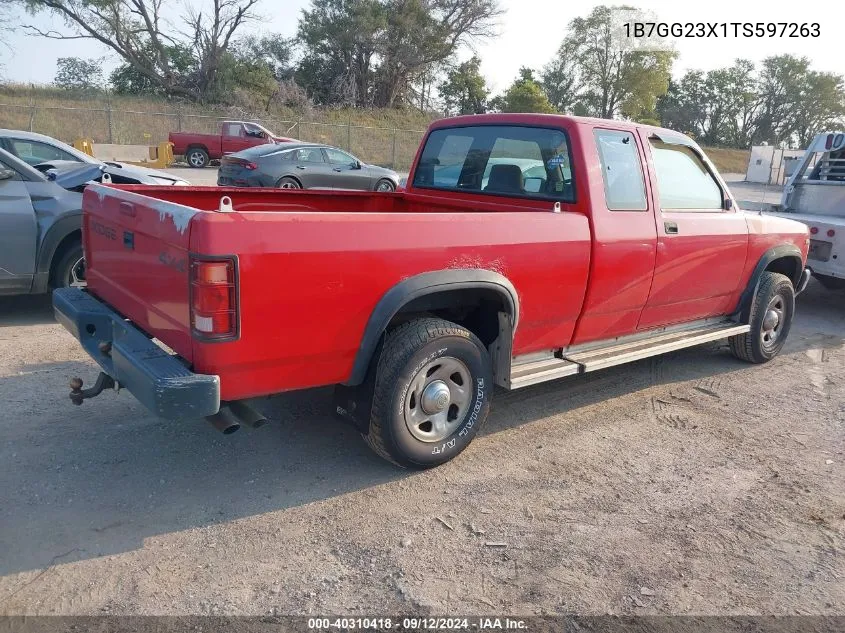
(78, 394)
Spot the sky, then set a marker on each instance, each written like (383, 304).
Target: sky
(530, 32)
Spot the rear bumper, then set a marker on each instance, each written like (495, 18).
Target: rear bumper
(158, 380)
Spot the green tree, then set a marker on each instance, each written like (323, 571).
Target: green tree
(524, 95)
(602, 75)
(340, 39)
(559, 81)
(797, 102)
(138, 32)
(465, 91)
(378, 52)
(75, 73)
(127, 79)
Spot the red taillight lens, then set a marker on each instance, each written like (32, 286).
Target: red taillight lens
(831, 233)
(250, 166)
(814, 230)
(214, 299)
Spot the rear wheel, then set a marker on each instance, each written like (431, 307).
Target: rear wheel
(771, 318)
(288, 183)
(69, 271)
(432, 393)
(197, 157)
(385, 185)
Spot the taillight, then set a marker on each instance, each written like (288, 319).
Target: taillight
(214, 298)
(814, 230)
(831, 233)
(241, 162)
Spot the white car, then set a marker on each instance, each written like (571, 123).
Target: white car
(44, 153)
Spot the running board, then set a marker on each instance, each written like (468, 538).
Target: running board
(534, 370)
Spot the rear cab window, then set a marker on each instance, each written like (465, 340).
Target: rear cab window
(498, 160)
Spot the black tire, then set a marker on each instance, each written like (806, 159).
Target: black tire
(831, 283)
(764, 341)
(66, 264)
(412, 353)
(385, 185)
(197, 157)
(288, 182)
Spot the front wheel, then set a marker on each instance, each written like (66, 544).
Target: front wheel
(771, 318)
(385, 186)
(433, 387)
(69, 271)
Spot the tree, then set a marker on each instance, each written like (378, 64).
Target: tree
(524, 95)
(558, 80)
(819, 107)
(464, 91)
(127, 79)
(599, 74)
(339, 40)
(376, 52)
(75, 73)
(138, 33)
(797, 102)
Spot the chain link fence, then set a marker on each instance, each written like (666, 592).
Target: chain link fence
(385, 146)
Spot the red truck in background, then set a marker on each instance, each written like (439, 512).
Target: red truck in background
(524, 248)
(200, 149)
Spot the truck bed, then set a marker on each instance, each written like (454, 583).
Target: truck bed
(329, 254)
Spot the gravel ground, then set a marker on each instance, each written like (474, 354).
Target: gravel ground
(687, 484)
(690, 483)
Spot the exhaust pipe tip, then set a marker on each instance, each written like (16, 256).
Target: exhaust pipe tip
(247, 415)
(224, 422)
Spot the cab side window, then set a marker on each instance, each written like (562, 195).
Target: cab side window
(683, 180)
(621, 170)
(232, 129)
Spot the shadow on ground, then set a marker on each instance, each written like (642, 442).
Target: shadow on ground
(89, 481)
(26, 310)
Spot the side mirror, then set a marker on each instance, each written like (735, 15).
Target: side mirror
(7, 174)
(727, 204)
(356, 164)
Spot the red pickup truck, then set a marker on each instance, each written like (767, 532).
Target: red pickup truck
(199, 149)
(524, 248)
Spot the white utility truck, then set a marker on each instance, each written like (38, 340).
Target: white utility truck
(815, 195)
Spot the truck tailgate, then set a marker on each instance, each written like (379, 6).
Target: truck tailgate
(137, 260)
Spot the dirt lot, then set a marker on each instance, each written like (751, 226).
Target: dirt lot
(691, 483)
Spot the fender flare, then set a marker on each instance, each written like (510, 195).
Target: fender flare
(418, 286)
(58, 231)
(743, 311)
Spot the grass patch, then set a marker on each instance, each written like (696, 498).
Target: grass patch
(729, 161)
(386, 137)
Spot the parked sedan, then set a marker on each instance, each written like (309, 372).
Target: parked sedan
(302, 166)
(44, 153)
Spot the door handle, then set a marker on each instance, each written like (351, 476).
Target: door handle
(337, 169)
(300, 167)
(671, 228)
